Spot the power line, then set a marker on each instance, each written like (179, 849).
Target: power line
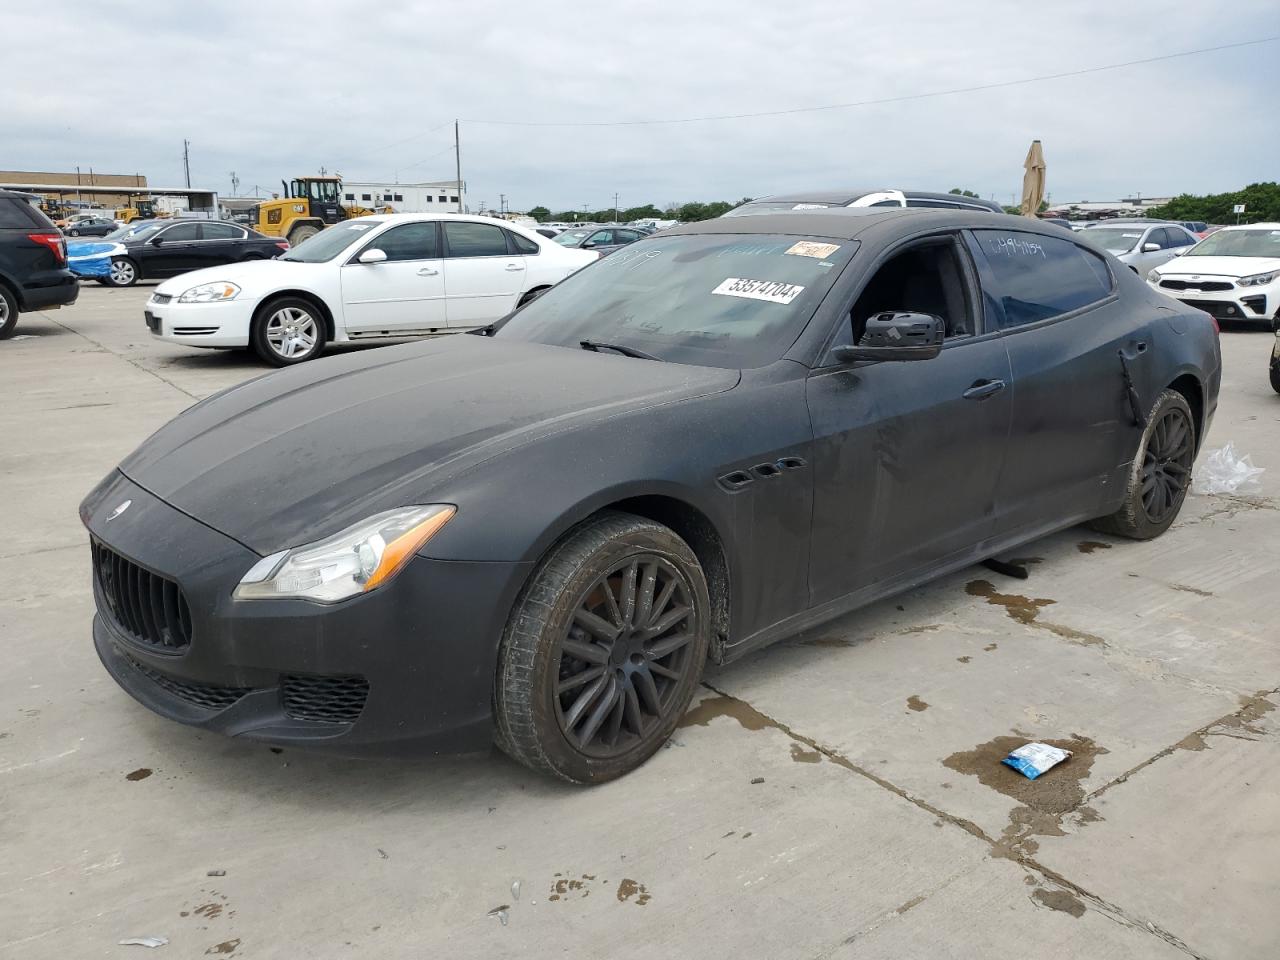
(881, 100)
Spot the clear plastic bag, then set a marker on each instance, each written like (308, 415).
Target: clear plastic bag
(1223, 471)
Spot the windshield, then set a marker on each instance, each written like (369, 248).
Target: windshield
(718, 300)
(1238, 243)
(1115, 239)
(330, 242)
(137, 231)
(571, 238)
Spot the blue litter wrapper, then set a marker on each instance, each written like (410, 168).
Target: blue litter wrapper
(1033, 759)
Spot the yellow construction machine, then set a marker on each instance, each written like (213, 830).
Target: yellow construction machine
(307, 206)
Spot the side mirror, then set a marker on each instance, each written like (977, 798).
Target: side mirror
(897, 336)
(1180, 251)
(372, 256)
(1150, 247)
(156, 241)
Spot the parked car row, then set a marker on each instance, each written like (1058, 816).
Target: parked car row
(154, 249)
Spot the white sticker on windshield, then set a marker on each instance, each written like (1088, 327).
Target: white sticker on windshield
(807, 248)
(772, 291)
(361, 226)
(810, 206)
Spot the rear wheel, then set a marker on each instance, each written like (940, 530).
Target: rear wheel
(1160, 474)
(288, 331)
(8, 312)
(73, 233)
(124, 272)
(603, 650)
(1275, 375)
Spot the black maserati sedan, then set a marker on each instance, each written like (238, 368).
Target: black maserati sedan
(165, 248)
(709, 440)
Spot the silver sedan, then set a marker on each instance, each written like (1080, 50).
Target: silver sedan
(1141, 244)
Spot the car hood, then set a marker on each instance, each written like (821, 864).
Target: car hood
(252, 276)
(301, 453)
(1219, 266)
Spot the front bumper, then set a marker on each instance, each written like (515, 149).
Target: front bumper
(406, 669)
(223, 324)
(1223, 299)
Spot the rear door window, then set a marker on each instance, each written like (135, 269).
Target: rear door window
(221, 231)
(182, 233)
(521, 244)
(475, 240)
(1033, 278)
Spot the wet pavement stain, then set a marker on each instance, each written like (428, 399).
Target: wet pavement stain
(989, 647)
(140, 774)
(1091, 546)
(225, 947)
(568, 887)
(963, 659)
(916, 704)
(208, 910)
(800, 755)
(1186, 589)
(1020, 608)
(913, 902)
(1062, 900)
(1026, 610)
(1045, 800)
(721, 706)
(629, 888)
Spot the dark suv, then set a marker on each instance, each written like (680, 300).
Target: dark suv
(33, 262)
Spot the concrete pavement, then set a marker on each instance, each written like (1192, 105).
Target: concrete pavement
(837, 795)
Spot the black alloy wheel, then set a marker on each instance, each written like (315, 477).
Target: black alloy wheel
(1166, 464)
(1160, 473)
(621, 660)
(603, 650)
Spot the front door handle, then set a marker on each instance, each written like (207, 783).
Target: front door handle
(983, 389)
(515, 266)
(428, 272)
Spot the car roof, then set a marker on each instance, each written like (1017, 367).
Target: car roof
(849, 223)
(1252, 226)
(843, 195)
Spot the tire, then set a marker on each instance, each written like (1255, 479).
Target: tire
(73, 233)
(547, 715)
(287, 331)
(1275, 375)
(124, 272)
(8, 312)
(1160, 474)
(531, 296)
(302, 233)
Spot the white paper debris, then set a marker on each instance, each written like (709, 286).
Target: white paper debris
(144, 942)
(1033, 759)
(1223, 471)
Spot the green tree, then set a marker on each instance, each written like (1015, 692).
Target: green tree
(1261, 202)
(962, 193)
(541, 214)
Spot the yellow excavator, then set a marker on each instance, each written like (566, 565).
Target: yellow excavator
(139, 208)
(307, 206)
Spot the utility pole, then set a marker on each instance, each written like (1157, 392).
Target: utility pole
(457, 157)
(186, 160)
(502, 204)
(235, 184)
(615, 208)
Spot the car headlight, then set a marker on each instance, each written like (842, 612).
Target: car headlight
(1257, 279)
(1153, 276)
(359, 559)
(210, 293)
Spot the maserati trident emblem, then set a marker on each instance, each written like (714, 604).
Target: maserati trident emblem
(118, 510)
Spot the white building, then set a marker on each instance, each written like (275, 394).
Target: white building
(439, 195)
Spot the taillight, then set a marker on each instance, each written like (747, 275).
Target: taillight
(282, 244)
(1217, 328)
(54, 241)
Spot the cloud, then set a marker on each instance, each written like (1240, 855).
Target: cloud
(273, 90)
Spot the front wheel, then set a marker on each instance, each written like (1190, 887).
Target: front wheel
(1160, 473)
(1275, 375)
(603, 650)
(288, 331)
(124, 272)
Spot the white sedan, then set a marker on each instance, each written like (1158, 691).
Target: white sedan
(1233, 274)
(372, 278)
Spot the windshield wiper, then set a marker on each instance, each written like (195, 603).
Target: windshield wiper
(597, 345)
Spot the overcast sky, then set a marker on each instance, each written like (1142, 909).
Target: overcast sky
(279, 88)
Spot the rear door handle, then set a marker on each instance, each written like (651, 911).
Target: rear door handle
(515, 266)
(983, 389)
(428, 272)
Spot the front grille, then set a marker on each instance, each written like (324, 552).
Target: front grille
(161, 298)
(1205, 285)
(324, 699)
(204, 695)
(1222, 309)
(147, 607)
